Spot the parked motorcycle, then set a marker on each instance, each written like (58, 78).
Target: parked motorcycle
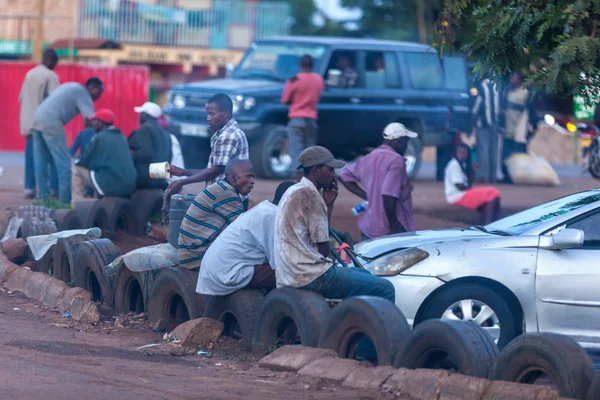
(590, 144)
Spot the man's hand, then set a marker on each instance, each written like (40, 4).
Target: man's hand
(176, 171)
(330, 194)
(174, 188)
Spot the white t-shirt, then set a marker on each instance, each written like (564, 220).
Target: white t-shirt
(454, 175)
(228, 264)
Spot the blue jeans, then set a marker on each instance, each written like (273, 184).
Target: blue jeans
(30, 188)
(48, 150)
(341, 283)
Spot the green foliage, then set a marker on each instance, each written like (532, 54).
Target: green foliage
(51, 202)
(555, 42)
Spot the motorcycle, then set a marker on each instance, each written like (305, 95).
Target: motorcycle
(590, 145)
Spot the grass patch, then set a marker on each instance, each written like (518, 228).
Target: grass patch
(51, 203)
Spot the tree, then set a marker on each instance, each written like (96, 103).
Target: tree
(556, 41)
(302, 11)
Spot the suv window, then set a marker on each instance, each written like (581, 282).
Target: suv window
(590, 226)
(424, 70)
(455, 72)
(381, 70)
(346, 62)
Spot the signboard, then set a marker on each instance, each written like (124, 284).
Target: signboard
(15, 47)
(582, 111)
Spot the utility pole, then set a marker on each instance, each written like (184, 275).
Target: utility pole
(38, 37)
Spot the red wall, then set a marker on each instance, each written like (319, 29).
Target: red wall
(125, 87)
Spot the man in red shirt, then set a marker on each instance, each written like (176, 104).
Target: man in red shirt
(302, 92)
(386, 187)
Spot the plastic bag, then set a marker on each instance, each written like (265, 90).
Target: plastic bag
(525, 169)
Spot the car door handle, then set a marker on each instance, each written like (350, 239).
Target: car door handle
(354, 100)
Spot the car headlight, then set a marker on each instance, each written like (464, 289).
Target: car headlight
(396, 263)
(236, 100)
(249, 102)
(178, 101)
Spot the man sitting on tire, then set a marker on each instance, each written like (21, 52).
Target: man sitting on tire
(302, 236)
(242, 256)
(213, 210)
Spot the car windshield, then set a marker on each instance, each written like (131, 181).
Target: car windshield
(525, 220)
(276, 61)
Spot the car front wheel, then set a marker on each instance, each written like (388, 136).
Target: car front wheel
(500, 318)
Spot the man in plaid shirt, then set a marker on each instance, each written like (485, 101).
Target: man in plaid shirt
(227, 143)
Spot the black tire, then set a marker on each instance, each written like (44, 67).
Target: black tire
(291, 316)
(173, 297)
(46, 263)
(35, 227)
(272, 142)
(120, 215)
(365, 316)
(145, 203)
(594, 391)
(457, 345)
(238, 312)
(559, 357)
(64, 257)
(91, 258)
(415, 149)
(130, 295)
(509, 319)
(66, 220)
(91, 213)
(31, 211)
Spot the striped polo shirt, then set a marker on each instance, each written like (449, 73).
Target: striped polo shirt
(211, 211)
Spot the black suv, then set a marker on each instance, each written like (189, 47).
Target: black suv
(403, 82)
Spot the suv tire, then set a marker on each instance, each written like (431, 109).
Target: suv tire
(414, 157)
(273, 140)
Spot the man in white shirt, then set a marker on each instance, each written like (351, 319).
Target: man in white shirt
(241, 257)
(302, 236)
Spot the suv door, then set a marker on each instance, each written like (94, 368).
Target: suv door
(456, 79)
(567, 294)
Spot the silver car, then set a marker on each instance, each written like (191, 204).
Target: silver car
(535, 271)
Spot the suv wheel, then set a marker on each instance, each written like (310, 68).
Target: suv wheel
(414, 157)
(270, 155)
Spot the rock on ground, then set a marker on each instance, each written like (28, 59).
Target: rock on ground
(15, 250)
(198, 332)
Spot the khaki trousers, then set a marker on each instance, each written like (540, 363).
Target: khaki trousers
(80, 183)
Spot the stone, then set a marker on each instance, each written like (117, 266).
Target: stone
(500, 390)
(36, 285)
(54, 293)
(293, 358)
(462, 387)
(198, 332)
(70, 296)
(369, 378)
(177, 350)
(18, 279)
(333, 368)
(85, 311)
(121, 322)
(418, 384)
(5, 217)
(15, 250)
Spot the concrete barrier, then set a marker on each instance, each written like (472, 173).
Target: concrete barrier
(6, 268)
(419, 384)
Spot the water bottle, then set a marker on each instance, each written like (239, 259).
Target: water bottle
(360, 208)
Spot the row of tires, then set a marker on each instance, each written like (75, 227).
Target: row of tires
(110, 214)
(368, 328)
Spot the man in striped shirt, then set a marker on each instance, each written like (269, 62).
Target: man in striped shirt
(213, 210)
(486, 111)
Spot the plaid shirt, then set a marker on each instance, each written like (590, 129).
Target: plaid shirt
(226, 144)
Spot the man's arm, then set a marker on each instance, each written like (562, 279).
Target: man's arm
(85, 105)
(389, 205)
(201, 175)
(286, 96)
(87, 158)
(75, 145)
(391, 191)
(53, 83)
(142, 146)
(349, 178)
(353, 188)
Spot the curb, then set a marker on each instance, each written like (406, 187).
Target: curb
(418, 384)
(49, 291)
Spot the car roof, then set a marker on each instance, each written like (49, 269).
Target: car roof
(349, 42)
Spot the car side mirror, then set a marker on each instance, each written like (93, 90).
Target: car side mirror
(565, 239)
(334, 77)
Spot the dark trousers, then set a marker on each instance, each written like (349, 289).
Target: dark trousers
(487, 152)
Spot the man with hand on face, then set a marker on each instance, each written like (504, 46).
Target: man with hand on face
(383, 176)
(302, 235)
(213, 210)
(227, 143)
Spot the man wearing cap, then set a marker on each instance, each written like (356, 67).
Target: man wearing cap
(385, 185)
(150, 143)
(302, 235)
(106, 166)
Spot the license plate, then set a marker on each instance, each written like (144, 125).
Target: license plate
(194, 130)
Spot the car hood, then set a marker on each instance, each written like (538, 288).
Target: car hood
(376, 247)
(231, 85)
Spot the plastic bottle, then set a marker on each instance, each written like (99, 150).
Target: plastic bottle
(360, 208)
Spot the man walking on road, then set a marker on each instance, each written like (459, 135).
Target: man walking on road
(485, 113)
(50, 139)
(302, 236)
(386, 186)
(302, 92)
(38, 84)
(227, 143)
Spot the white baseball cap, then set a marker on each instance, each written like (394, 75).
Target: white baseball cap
(396, 130)
(152, 109)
